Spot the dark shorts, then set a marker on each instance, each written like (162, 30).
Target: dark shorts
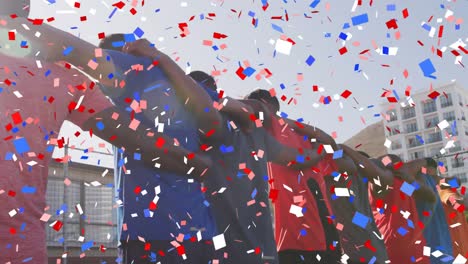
(155, 251)
(308, 257)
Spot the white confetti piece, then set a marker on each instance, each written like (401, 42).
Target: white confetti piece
(283, 47)
(296, 210)
(342, 192)
(219, 242)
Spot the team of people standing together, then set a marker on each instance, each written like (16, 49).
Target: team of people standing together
(206, 178)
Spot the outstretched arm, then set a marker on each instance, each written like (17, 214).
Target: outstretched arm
(312, 132)
(188, 91)
(157, 150)
(380, 176)
(56, 45)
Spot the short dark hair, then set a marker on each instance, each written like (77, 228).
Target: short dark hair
(265, 96)
(431, 163)
(17, 7)
(205, 79)
(108, 42)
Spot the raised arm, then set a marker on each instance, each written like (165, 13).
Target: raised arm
(188, 91)
(56, 45)
(312, 132)
(381, 177)
(157, 150)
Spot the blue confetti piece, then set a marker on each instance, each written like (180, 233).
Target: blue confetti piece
(300, 120)
(67, 51)
(300, 159)
(283, 115)
(251, 14)
(396, 95)
(402, 231)
(129, 38)
(9, 156)
(138, 32)
(426, 27)
(84, 157)
(303, 232)
(314, 3)
(420, 139)
(457, 27)
(100, 125)
(410, 224)
(254, 193)
(385, 50)
(112, 13)
(23, 44)
(335, 174)
(248, 71)
(277, 28)
(310, 60)
(391, 7)
(416, 185)
(51, 1)
(27, 259)
(147, 213)
(356, 67)
(215, 48)
(282, 86)
(407, 189)
(225, 149)
(338, 154)
(137, 156)
(360, 220)
(47, 73)
(359, 20)
(28, 189)
(351, 198)
(427, 68)
(118, 44)
(453, 183)
(87, 245)
(21, 145)
(373, 260)
(346, 25)
(256, 22)
(343, 36)
(327, 35)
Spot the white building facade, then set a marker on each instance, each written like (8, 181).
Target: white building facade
(416, 128)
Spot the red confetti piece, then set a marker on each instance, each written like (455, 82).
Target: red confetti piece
(101, 35)
(346, 94)
(16, 117)
(133, 11)
(405, 13)
(11, 193)
(137, 190)
(217, 35)
(77, 5)
(160, 142)
(83, 18)
(11, 35)
(119, 5)
(50, 19)
(343, 50)
(434, 95)
(57, 226)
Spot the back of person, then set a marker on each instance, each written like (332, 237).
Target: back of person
(34, 102)
(397, 218)
(181, 206)
(456, 220)
(237, 189)
(436, 232)
(306, 234)
(360, 240)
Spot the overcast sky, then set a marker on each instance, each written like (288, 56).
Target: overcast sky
(315, 31)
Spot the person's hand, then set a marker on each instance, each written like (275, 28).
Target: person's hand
(142, 48)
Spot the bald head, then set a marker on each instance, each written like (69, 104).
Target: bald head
(18, 7)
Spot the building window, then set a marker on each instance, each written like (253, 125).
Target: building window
(395, 130)
(409, 112)
(460, 100)
(414, 142)
(392, 115)
(449, 116)
(411, 127)
(455, 149)
(396, 144)
(429, 106)
(416, 155)
(446, 100)
(434, 152)
(433, 137)
(431, 121)
(96, 203)
(457, 162)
